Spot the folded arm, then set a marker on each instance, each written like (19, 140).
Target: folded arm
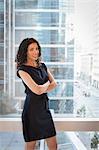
(32, 85)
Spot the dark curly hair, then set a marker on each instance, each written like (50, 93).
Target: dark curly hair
(21, 56)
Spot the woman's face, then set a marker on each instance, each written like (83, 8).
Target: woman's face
(33, 52)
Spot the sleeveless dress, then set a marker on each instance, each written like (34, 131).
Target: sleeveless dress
(37, 121)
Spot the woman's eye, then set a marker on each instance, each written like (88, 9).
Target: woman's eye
(31, 49)
(34, 49)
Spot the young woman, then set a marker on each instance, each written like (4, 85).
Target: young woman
(36, 117)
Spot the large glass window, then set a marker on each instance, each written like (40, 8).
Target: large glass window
(51, 19)
(62, 52)
(69, 53)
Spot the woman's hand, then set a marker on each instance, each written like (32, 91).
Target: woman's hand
(45, 84)
(53, 83)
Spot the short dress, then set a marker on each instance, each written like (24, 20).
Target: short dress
(37, 120)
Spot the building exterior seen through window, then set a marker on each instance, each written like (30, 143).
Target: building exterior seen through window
(59, 27)
(48, 22)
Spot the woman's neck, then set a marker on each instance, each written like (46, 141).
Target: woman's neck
(31, 63)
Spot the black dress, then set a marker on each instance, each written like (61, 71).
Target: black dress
(36, 117)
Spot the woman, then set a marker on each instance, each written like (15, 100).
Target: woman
(36, 118)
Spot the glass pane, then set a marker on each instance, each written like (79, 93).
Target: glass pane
(62, 90)
(1, 19)
(39, 19)
(1, 52)
(32, 4)
(62, 72)
(53, 54)
(52, 36)
(1, 6)
(70, 54)
(19, 89)
(62, 106)
(7, 105)
(1, 35)
(1, 72)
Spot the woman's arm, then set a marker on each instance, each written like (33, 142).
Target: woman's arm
(38, 89)
(53, 83)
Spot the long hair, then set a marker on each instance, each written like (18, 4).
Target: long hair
(21, 56)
